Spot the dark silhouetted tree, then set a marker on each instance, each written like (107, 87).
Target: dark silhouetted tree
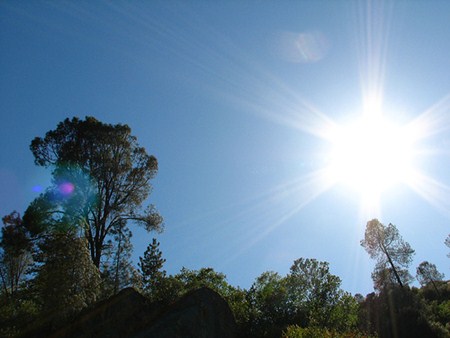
(428, 273)
(151, 268)
(117, 269)
(392, 253)
(101, 177)
(395, 312)
(15, 253)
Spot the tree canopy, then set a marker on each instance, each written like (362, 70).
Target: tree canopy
(101, 178)
(393, 254)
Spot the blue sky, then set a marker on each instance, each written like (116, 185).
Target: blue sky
(233, 99)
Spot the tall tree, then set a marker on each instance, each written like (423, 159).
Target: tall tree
(428, 273)
(101, 177)
(117, 269)
(392, 253)
(151, 267)
(15, 253)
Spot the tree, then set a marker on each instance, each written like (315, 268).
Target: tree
(428, 273)
(447, 242)
(118, 271)
(313, 291)
(392, 253)
(101, 177)
(66, 278)
(15, 253)
(150, 267)
(268, 305)
(17, 308)
(395, 312)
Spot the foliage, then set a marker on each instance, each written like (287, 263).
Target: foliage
(207, 277)
(268, 300)
(428, 273)
(151, 268)
(447, 243)
(295, 331)
(18, 313)
(101, 177)
(66, 279)
(395, 312)
(313, 291)
(173, 287)
(308, 296)
(15, 254)
(117, 270)
(392, 253)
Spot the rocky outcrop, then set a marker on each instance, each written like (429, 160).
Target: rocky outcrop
(200, 313)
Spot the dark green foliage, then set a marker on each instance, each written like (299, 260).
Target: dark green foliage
(186, 280)
(66, 279)
(395, 312)
(309, 296)
(313, 291)
(427, 273)
(295, 331)
(392, 253)
(18, 313)
(101, 177)
(15, 254)
(117, 270)
(268, 306)
(173, 287)
(151, 268)
(436, 300)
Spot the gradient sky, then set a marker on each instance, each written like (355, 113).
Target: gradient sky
(232, 98)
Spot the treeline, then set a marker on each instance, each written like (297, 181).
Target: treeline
(73, 248)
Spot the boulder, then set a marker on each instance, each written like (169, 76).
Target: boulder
(200, 313)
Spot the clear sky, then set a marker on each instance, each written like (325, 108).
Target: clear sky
(243, 102)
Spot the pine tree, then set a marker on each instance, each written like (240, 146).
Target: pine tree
(151, 268)
(117, 269)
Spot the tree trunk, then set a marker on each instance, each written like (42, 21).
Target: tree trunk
(393, 267)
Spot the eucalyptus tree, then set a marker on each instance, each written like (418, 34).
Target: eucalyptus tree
(392, 253)
(100, 181)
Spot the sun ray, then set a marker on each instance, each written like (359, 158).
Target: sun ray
(373, 22)
(432, 121)
(433, 191)
(302, 190)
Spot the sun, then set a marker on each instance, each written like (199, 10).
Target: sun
(371, 154)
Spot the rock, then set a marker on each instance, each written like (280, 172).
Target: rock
(200, 313)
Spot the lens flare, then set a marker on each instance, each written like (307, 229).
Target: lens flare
(37, 188)
(305, 47)
(66, 188)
